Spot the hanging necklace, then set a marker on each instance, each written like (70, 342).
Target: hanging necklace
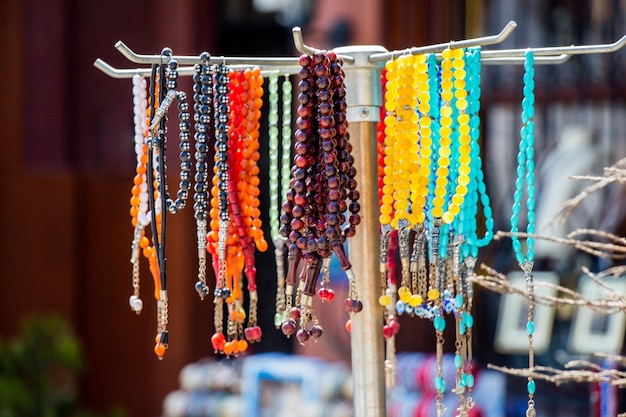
(139, 199)
(203, 100)
(243, 197)
(235, 215)
(322, 191)
(219, 205)
(388, 246)
(526, 173)
(279, 179)
(156, 191)
(466, 253)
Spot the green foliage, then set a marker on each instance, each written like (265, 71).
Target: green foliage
(39, 372)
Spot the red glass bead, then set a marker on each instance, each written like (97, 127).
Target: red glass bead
(394, 324)
(388, 331)
(253, 334)
(218, 341)
(326, 294)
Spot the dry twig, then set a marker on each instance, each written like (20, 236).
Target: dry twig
(575, 371)
(613, 174)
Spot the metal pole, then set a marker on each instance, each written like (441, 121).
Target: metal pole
(363, 95)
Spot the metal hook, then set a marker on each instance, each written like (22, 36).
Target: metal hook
(301, 47)
(291, 62)
(543, 60)
(556, 50)
(129, 73)
(486, 40)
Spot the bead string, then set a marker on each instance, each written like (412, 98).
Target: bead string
(174, 206)
(322, 191)
(274, 187)
(245, 198)
(203, 100)
(167, 93)
(237, 234)
(279, 180)
(467, 228)
(217, 238)
(139, 199)
(156, 191)
(387, 255)
(235, 215)
(526, 173)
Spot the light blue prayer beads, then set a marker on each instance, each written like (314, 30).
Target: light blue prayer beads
(525, 167)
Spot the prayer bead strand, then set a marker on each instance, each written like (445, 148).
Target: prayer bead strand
(218, 238)
(203, 100)
(322, 191)
(139, 198)
(526, 172)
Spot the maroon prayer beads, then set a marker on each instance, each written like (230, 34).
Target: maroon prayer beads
(321, 208)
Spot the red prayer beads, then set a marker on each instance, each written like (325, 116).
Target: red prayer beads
(244, 231)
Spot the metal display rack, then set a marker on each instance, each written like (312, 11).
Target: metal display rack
(362, 66)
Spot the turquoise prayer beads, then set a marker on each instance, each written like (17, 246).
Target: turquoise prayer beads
(526, 173)
(525, 168)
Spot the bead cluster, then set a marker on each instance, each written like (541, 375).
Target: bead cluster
(322, 192)
(431, 186)
(236, 225)
(226, 113)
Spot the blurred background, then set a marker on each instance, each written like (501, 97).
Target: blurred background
(67, 162)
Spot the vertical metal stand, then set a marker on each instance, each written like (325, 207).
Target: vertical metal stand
(364, 100)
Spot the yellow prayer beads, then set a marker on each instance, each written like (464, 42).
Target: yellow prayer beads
(464, 140)
(453, 86)
(445, 133)
(419, 181)
(407, 142)
(400, 131)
